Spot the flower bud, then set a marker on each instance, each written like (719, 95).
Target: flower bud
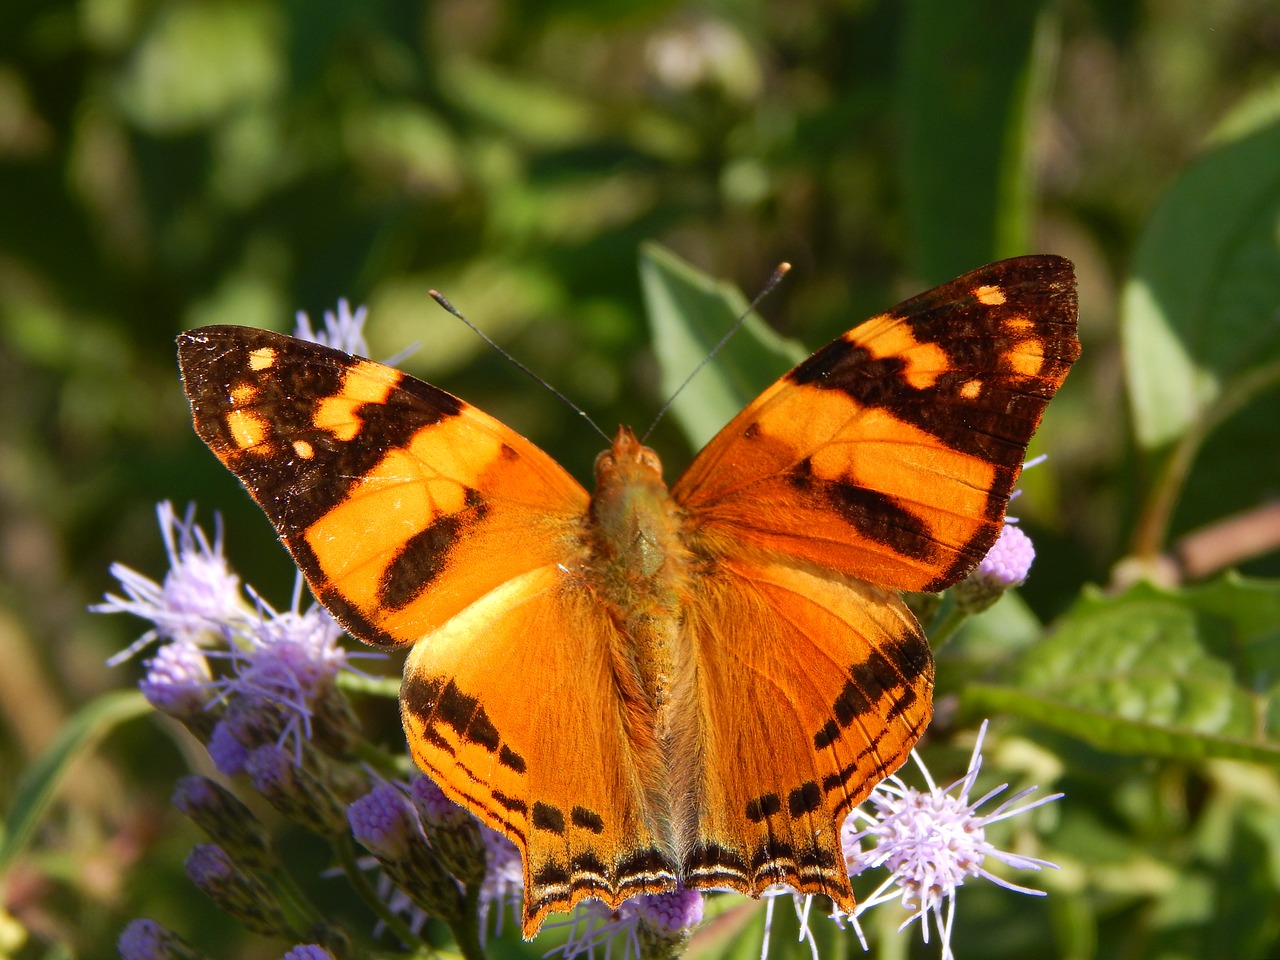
(294, 790)
(180, 684)
(387, 825)
(145, 939)
(235, 891)
(222, 815)
(454, 833)
(1005, 566)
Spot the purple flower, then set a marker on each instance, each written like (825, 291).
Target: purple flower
(638, 924)
(343, 331)
(200, 595)
(930, 841)
(236, 891)
(308, 951)
(671, 915)
(145, 939)
(178, 681)
(384, 822)
(221, 815)
(288, 662)
(229, 755)
(1008, 561)
(434, 807)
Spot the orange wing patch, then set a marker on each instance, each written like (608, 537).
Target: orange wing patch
(514, 708)
(853, 688)
(649, 687)
(890, 454)
(401, 504)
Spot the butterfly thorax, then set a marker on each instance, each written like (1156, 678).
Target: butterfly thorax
(638, 554)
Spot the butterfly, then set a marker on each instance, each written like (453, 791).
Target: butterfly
(641, 686)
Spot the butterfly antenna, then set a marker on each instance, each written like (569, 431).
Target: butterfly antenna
(441, 299)
(782, 270)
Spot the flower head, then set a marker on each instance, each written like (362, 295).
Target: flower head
(648, 925)
(287, 665)
(222, 815)
(200, 595)
(308, 951)
(1005, 566)
(145, 939)
(178, 682)
(235, 890)
(384, 822)
(343, 330)
(1009, 560)
(930, 841)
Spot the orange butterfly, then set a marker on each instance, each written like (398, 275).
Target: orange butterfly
(645, 687)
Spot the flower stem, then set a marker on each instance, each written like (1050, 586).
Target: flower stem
(344, 846)
(946, 629)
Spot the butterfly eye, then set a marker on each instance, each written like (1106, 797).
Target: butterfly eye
(650, 459)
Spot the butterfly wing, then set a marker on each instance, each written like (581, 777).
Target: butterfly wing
(890, 454)
(518, 710)
(882, 463)
(416, 517)
(814, 688)
(401, 504)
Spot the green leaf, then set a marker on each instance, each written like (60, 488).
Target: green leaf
(971, 80)
(1202, 307)
(39, 783)
(689, 313)
(1179, 673)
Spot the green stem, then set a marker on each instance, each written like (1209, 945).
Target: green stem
(343, 844)
(947, 628)
(466, 929)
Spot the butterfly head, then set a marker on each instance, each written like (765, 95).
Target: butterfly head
(627, 461)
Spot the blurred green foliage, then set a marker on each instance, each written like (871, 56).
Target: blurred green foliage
(170, 164)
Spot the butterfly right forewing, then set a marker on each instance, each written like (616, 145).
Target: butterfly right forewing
(890, 454)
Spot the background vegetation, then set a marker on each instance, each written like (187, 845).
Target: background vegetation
(170, 164)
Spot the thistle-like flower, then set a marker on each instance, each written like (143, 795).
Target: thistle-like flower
(648, 926)
(930, 841)
(343, 330)
(287, 664)
(386, 823)
(200, 596)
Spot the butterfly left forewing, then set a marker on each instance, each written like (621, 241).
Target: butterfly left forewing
(890, 454)
(400, 503)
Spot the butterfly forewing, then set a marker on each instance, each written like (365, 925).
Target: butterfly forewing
(400, 503)
(890, 453)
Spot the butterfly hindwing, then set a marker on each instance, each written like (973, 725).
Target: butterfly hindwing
(815, 687)
(516, 709)
(890, 453)
(400, 503)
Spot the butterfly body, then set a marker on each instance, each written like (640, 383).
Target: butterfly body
(645, 687)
